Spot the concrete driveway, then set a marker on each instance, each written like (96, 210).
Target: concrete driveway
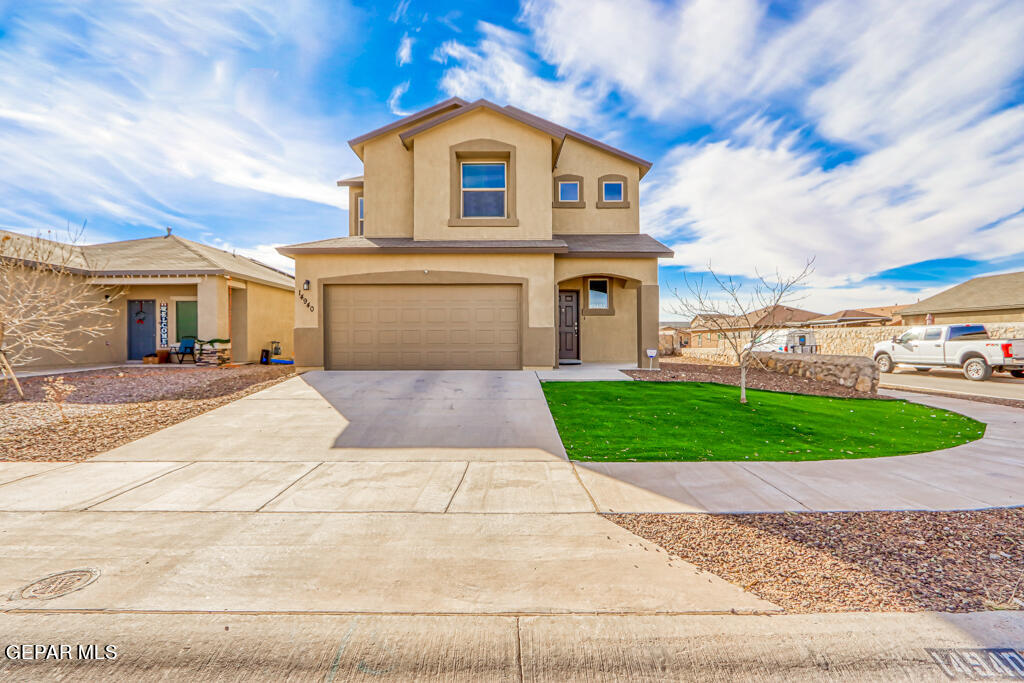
(949, 380)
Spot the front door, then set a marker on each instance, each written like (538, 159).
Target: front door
(141, 328)
(568, 325)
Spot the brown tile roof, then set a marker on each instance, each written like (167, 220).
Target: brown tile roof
(782, 315)
(848, 315)
(610, 246)
(632, 245)
(450, 103)
(170, 255)
(553, 129)
(988, 293)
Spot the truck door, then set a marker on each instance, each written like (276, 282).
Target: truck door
(929, 349)
(905, 348)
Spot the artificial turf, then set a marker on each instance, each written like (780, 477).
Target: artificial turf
(693, 421)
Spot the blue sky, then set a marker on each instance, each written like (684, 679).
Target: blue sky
(886, 140)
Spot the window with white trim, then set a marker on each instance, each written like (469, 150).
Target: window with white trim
(612, 191)
(361, 216)
(568, 191)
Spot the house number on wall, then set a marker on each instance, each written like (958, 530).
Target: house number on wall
(303, 299)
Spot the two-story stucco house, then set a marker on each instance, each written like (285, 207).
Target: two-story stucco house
(481, 237)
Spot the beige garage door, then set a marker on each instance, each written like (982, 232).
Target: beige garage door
(422, 327)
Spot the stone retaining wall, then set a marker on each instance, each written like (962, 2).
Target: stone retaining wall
(860, 341)
(855, 372)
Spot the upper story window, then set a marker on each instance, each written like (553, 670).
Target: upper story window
(484, 189)
(568, 191)
(360, 216)
(611, 191)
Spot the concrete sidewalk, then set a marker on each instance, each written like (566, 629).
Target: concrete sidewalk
(336, 648)
(985, 473)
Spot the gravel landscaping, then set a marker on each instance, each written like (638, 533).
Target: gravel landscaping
(104, 409)
(854, 561)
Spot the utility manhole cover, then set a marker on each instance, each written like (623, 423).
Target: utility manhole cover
(61, 583)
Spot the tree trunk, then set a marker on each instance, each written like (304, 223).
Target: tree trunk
(6, 369)
(743, 382)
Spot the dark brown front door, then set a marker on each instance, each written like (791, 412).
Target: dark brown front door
(568, 325)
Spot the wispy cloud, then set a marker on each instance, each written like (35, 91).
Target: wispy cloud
(404, 53)
(394, 100)
(500, 67)
(148, 107)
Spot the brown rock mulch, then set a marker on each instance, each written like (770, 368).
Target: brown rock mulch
(673, 371)
(109, 408)
(854, 561)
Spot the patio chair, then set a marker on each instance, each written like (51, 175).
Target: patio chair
(187, 347)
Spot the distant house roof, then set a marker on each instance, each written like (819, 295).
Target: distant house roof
(847, 316)
(622, 246)
(780, 315)
(455, 107)
(167, 255)
(674, 324)
(988, 293)
(356, 181)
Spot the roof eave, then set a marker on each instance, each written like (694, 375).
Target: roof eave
(357, 143)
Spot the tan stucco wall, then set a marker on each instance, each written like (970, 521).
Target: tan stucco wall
(536, 269)
(1015, 315)
(432, 178)
(591, 163)
(270, 315)
(109, 347)
(387, 188)
(612, 338)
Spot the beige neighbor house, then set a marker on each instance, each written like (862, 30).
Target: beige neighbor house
(170, 288)
(706, 334)
(481, 237)
(989, 299)
(850, 318)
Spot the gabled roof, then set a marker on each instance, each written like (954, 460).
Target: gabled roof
(167, 255)
(781, 315)
(557, 132)
(847, 316)
(988, 293)
(450, 103)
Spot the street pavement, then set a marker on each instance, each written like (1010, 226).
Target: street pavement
(952, 380)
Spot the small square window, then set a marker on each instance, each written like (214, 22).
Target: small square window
(568, 191)
(612, 191)
(597, 294)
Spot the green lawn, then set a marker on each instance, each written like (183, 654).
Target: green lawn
(644, 421)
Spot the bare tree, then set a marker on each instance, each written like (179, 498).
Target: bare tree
(47, 304)
(740, 315)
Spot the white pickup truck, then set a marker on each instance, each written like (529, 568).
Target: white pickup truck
(952, 346)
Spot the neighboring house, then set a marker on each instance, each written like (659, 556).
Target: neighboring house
(673, 336)
(706, 333)
(894, 313)
(849, 318)
(172, 288)
(989, 299)
(481, 237)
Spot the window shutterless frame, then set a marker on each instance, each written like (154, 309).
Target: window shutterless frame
(486, 185)
(568, 191)
(361, 217)
(611, 191)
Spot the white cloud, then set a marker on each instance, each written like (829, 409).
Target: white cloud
(394, 100)
(156, 108)
(500, 69)
(404, 53)
(266, 254)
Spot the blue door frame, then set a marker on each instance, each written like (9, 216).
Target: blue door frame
(141, 328)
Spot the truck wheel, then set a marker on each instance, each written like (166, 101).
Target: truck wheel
(922, 369)
(884, 362)
(977, 369)
(1017, 373)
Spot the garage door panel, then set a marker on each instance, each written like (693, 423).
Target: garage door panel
(422, 327)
